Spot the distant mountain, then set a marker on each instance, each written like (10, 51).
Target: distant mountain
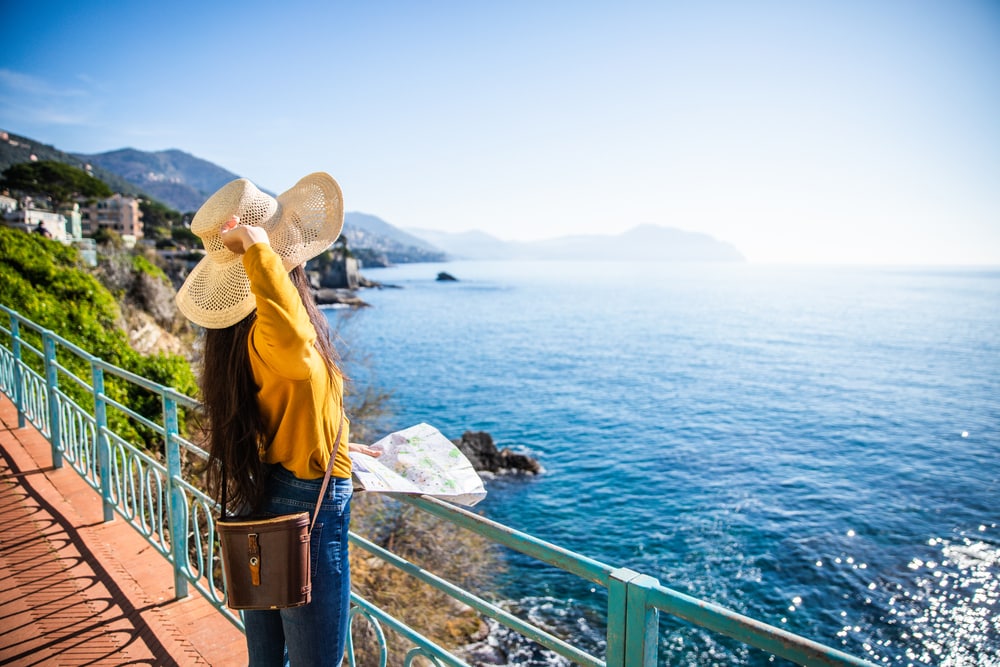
(468, 245)
(184, 182)
(15, 149)
(375, 234)
(177, 179)
(642, 243)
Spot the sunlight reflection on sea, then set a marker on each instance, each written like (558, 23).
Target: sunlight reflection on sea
(797, 444)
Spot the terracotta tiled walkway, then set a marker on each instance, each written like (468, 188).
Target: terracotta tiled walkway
(77, 591)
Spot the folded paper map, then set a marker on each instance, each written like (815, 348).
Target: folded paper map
(419, 460)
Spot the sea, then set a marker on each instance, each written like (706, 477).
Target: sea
(817, 448)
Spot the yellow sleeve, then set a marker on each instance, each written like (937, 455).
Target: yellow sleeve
(284, 337)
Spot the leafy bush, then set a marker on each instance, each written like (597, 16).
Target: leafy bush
(44, 281)
(56, 180)
(156, 215)
(185, 237)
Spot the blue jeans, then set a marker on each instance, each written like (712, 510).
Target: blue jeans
(313, 634)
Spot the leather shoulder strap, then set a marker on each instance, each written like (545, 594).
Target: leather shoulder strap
(326, 477)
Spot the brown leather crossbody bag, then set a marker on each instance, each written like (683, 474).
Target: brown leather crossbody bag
(265, 561)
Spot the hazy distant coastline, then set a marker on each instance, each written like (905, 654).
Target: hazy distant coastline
(641, 243)
(183, 182)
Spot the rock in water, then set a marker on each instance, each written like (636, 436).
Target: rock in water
(478, 447)
(445, 276)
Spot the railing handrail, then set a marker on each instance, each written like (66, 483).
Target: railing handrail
(165, 508)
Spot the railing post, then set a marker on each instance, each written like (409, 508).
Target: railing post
(177, 508)
(15, 337)
(633, 626)
(617, 615)
(52, 395)
(642, 624)
(102, 444)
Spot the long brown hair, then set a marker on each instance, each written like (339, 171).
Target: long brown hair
(236, 428)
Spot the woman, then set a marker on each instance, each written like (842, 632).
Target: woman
(274, 394)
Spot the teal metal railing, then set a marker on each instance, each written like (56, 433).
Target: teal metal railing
(61, 390)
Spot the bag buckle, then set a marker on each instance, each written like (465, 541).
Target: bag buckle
(254, 552)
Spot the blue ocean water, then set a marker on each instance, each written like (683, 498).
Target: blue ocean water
(816, 448)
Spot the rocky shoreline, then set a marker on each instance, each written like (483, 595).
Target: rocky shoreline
(479, 448)
(335, 280)
(344, 296)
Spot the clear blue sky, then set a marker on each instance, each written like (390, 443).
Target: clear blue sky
(834, 132)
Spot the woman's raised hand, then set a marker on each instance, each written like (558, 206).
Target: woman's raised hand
(238, 238)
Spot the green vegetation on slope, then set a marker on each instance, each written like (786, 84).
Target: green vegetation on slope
(44, 282)
(18, 149)
(61, 182)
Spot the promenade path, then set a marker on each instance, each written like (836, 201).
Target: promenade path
(77, 591)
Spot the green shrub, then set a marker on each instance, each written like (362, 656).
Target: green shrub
(44, 281)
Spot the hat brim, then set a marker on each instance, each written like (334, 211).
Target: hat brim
(216, 296)
(310, 217)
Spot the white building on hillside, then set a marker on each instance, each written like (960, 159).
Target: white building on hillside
(31, 219)
(64, 225)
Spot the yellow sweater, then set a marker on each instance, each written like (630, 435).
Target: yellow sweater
(302, 409)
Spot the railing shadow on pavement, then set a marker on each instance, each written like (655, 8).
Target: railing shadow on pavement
(136, 463)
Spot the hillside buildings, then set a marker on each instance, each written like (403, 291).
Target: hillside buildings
(117, 213)
(74, 222)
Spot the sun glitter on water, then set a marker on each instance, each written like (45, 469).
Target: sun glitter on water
(954, 610)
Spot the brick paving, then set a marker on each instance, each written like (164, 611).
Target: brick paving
(75, 590)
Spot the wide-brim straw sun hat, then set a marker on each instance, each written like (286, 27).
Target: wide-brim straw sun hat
(301, 223)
